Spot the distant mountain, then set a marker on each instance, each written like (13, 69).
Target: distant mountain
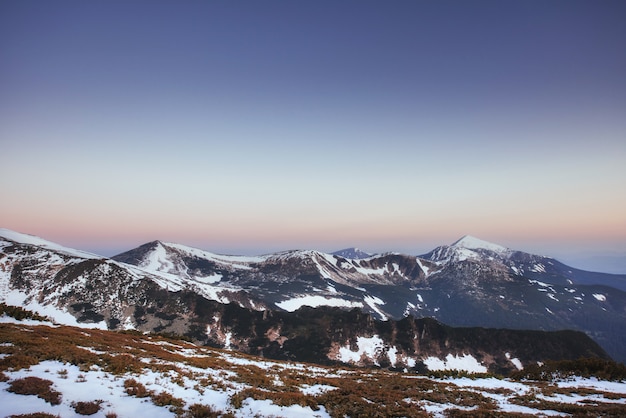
(169, 287)
(522, 264)
(352, 253)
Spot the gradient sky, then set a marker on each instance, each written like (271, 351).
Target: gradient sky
(255, 126)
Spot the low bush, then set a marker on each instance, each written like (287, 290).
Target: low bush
(36, 386)
(19, 313)
(165, 399)
(122, 363)
(17, 362)
(86, 408)
(135, 388)
(201, 411)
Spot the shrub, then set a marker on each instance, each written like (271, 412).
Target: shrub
(17, 362)
(19, 313)
(135, 388)
(36, 415)
(86, 408)
(165, 398)
(36, 386)
(200, 411)
(122, 363)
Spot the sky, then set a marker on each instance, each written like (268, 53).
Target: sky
(249, 127)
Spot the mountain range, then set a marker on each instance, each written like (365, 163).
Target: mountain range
(372, 310)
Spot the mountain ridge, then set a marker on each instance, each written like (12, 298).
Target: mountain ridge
(453, 284)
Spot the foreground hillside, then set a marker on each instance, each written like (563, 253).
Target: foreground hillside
(68, 371)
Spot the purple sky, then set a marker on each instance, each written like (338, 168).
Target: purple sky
(250, 127)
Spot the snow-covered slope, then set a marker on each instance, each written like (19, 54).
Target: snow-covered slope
(474, 243)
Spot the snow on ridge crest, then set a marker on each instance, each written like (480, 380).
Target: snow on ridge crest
(223, 258)
(472, 243)
(40, 242)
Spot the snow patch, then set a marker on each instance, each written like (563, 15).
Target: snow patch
(516, 362)
(409, 307)
(425, 269)
(599, 297)
(209, 279)
(465, 362)
(392, 353)
(227, 340)
(542, 284)
(538, 268)
(368, 347)
(4, 319)
(372, 301)
(316, 389)
(294, 304)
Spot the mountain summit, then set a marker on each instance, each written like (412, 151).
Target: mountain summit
(474, 243)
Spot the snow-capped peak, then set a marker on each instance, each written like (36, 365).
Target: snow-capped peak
(473, 243)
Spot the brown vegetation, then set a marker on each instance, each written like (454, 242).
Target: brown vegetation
(134, 388)
(36, 386)
(201, 411)
(353, 392)
(86, 408)
(19, 313)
